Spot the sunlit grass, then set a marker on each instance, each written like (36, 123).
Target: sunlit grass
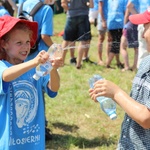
(75, 120)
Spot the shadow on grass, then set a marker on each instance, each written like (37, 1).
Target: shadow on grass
(66, 127)
(65, 141)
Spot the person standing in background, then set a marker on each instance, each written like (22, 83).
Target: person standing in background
(102, 29)
(138, 6)
(129, 39)
(115, 20)
(77, 28)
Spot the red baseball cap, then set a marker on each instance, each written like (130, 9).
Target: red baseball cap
(8, 22)
(140, 18)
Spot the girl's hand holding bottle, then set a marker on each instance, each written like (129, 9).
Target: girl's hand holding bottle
(41, 58)
(48, 61)
(57, 62)
(98, 92)
(55, 55)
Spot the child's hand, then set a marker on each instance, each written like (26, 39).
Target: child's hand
(57, 62)
(42, 57)
(103, 88)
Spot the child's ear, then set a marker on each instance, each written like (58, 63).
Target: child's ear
(2, 43)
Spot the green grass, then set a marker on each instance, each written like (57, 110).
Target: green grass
(75, 120)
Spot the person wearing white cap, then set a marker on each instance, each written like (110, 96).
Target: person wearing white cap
(135, 129)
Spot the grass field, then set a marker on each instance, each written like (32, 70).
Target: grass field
(76, 121)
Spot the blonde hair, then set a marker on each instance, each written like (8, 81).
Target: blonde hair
(6, 37)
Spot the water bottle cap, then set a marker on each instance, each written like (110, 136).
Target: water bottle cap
(36, 77)
(113, 116)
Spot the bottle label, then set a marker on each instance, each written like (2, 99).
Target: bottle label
(45, 68)
(107, 104)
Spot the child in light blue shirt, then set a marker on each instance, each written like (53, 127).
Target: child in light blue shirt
(21, 101)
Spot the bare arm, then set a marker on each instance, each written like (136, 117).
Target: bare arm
(91, 4)
(15, 71)
(54, 82)
(137, 111)
(131, 8)
(64, 4)
(47, 39)
(100, 8)
(126, 16)
(13, 4)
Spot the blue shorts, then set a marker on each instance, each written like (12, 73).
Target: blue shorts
(77, 29)
(131, 33)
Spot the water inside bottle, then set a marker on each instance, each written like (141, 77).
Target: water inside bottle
(42, 70)
(111, 113)
(108, 106)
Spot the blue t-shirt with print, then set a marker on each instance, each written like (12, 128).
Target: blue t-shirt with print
(116, 11)
(44, 17)
(22, 111)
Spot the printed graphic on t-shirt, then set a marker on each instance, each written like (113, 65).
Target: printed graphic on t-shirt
(24, 104)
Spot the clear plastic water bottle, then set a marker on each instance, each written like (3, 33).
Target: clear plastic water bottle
(55, 51)
(107, 104)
